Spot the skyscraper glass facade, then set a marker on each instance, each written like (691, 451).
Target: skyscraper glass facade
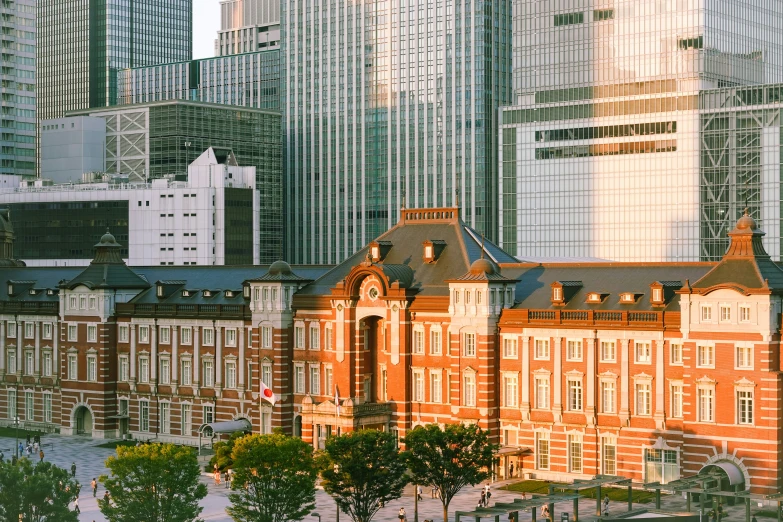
(17, 87)
(602, 154)
(389, 103)
(247, 26)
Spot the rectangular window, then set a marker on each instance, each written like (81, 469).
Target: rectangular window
(542, 451)
(435, 343)
(208, 371)
(643, 398)
(315, 380)
(208, 414)
(608, 402)
(47, 364)
(436, 387)
(29, 363)
(706, 404)
(165, 370)
(745, 407)
(187, 335)
(231, 374)
(609, 458)
(92, 368)
(418, 385)
(315, 338)
(510, 347)
(46, 330)
(510, 391)
(187, 419)
(144, 334)
(328, 338)
(123, 334)
(574, 395)
(266, 422)
(745, 357)
(470, 345)
(165, 335)
(47, 404)
(675, 354)
(231, 337)
(12, 414)
(744, 311)
(187, 372)
(93, 302)
(208, 336)
(542, 349)
(144, 369)
(299, 379)
(92, 333)
(705, 356)
(144, 416)
(542, 393)
(29, 330)
(29, 406)
(266, 337)
(327, 381)
(124, 369)
(72, 305)
(12, 361)
(11, 328)
(418, 342)
(574, 350)
(469, 385)
(266, 374)
(643, 353)
(165, 417)
(725, 313)
(574, 454)
(299, 337)
(660, 465)
(72, 333)
(706, 313)
(677, 394)
(73, 369)
(123, 407)
(608, 351)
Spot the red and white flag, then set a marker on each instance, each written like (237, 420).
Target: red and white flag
(337, 400)
(268, 394)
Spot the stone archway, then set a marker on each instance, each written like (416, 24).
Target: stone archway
(82, 420)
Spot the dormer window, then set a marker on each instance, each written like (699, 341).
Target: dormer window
(628, 297)
(229, 293)
(557, 294)
(657, 295)
(160, 291)
(563, 291)
(50, 292)
(663, 291)
(429, 253)
(379, 249)
(246, 292)
(186, 293)
(207, 293)
(595, 297)
(433, 249)
(10, 289)
(32, 291)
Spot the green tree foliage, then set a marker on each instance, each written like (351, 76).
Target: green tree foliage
(153, 483)
(363, 471)
(274, 479)
(223, 450)
(36, 493)
(449, 458)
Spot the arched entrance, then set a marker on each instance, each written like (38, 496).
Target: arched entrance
(732, 477)
(83, 418)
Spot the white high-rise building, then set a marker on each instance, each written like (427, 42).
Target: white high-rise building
(247, 26)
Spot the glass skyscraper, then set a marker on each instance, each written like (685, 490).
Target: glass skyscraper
(604, 152)
(247, 26)
(17, 87)
(83, 43)
(389, 103)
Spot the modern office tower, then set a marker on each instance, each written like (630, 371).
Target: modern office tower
(249, 80)
(83, 43)
(247, 26)
(389, 104)
(603, 153)
(17, 87)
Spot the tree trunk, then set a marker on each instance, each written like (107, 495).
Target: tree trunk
(445, 512)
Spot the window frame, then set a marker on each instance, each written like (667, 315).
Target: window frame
(738, 359)
(540, 346)
(575, 390)
(637, 355)
(701, 351)
(469, 344)
(606, 344)
(574, 350)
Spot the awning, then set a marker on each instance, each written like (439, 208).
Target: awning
(510, 451)
(731, 470)
(227, 427)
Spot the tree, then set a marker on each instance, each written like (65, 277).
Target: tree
(449, 458)
(153, 483)
(363, 472)
(36, 493)
(274, 479)
(223, 450)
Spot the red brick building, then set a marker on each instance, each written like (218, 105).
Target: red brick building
(653, 371)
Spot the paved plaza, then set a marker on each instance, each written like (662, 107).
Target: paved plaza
(90, 460)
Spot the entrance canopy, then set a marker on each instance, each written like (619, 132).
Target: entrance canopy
(731, 471)
(227, 427)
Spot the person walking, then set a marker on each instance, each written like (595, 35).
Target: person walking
(511, 470)
(41, 455)
(483, 499)
(487, 494)
(76, 506)
(73, 469)
(401, 515)
(217, 476)
(106, 497)
(94, 485)
(419, 492)
(605, 511)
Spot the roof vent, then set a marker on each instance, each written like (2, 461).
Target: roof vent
(433, 249)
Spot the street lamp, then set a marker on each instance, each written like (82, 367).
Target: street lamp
(316, 514)
(16, 446)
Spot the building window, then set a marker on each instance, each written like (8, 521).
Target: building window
(123, 334)
(327, 381)
(574, 350)
(608, 351)
(660, 465)
(608, 402)
(165, 370)
(418, 341)
(299, 379)
(92, 333)
(29, 362)
(643, 398)
(187, 335)
(266, 337)
(231, 374)
(705, 356)
(542, 450)
(706, 404)
(144, 416)
(72, 333)
(46, 330)
(574, 454)
(706, 313)
(725, 313)
(315, 380)
(542, 349)
(418, 385)
(208, 370)
(574, 395)
(231, 337)
(677, 395)
(165, 335)
(299, 337)
(29, 406)
(72, 305)
(744, 406)
(92, 368)
(144, 334)
(470, 345)
(328, 338)
(11, 328)
(208, 336)
(12, 404)
(744, 357)
(47, 364)
(542, 393)
(510, 347)
(208, 414)
(73, 369)
(675, 354)
(469, 382)
(435, 344)
(187, 372)
(266, 374)
(144, 369)
(744, 313)
(93, 302)
(12, 361)
(609, 457)
(187, 419)
(123, 369)
(165, 417)
(643, 353)
(47, 405)
(510, 391)
(315, 338)
(436, 387)
(29, 330)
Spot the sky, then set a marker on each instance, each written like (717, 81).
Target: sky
(206, 22)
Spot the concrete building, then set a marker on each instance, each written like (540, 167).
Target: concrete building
(646, 370)
(210, 217)
(247, 26)
(603, 153)
(17, 88)
(71, 147)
